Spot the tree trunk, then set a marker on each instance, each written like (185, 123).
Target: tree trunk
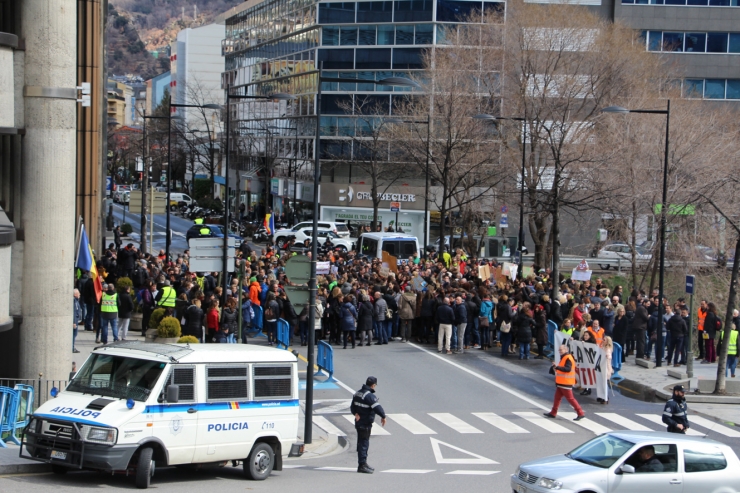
(538, 230)
(633, 243)
(719, 386)
(443, 212)
(376, 200)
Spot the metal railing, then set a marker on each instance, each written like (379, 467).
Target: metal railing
(41, 387)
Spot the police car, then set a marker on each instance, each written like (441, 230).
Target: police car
(133, 406)
(216, 231)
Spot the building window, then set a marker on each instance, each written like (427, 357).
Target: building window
(374, 12)
(456, 11)
(337, 59)
(405, 34)
(696, 42)
(672, 41)
(348, 36)
(692, 42)
(337, 13)
(693, 88)
(329, 36)
(227, 383)
(407, 58)
(717, 43)
(733, 89)
(366, 35)
(413, 10)
(373, 58)
(714, 88)
(386, 35)
(424, 34)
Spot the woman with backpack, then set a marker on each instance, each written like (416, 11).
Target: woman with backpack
(229, 323)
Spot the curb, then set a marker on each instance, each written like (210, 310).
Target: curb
(29, 468)
(650, 394)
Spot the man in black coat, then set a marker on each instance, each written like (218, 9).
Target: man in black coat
(639, 326)
(127, 260)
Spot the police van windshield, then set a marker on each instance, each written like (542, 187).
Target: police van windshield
(117, 376)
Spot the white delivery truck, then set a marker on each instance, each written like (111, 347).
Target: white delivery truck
(134, 405)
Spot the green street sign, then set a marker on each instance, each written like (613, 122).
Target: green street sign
(677, 209)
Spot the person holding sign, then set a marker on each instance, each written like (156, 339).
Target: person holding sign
(565, 379)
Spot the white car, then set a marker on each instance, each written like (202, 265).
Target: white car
(305, 234)
(340, 229)
(609, 255)
(120, 190)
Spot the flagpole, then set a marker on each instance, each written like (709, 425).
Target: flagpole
(78, 237)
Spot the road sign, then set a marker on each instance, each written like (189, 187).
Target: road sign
(690, 284)
(206, 254)
(108, 183)
(504, 209)
(160, 202)
(395, 206)
(504, 222)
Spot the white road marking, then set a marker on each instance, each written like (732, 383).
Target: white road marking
(658, 419)
(408, 471)
(713, 426)
(627, 424)
(537, 404)
(414, 426)
(475, 458)
(473, 473)
(344, 386)
(327, 426)
(547, 424)
(336, 408)
(286, 466)
(455, 423)
(341, 469)
(377, 430)
(500, 423)
(593, 426)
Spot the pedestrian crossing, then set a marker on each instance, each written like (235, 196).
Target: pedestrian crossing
(515, 422)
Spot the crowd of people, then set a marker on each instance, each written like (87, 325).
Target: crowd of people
(440, 300)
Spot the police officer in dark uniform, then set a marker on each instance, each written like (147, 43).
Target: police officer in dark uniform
(675, 414)
(365, 406)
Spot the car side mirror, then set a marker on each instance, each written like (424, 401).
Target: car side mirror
(626, 469)
(173, 395)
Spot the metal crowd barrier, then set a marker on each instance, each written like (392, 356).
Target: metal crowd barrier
(283, 334)
(325, 359)
(552, 327)
(617, 363)
(257, 322)
(39, 389)
(16, 406)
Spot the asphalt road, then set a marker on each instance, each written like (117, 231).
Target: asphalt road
(178, 225)
(459, 422)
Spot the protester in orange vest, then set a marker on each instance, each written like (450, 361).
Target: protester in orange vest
(597, 332)
(701, 314)
(565, 379)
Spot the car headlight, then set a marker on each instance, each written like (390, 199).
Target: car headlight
(550, 484)
(516, 472)
(93, 434)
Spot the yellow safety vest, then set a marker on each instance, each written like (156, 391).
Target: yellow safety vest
(168, 297)
(109, 303)
(732, 346)
(201, 281)
(568, 332)
(205, 231)
(199, 220)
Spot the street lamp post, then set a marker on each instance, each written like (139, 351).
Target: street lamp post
(521, 188)
(428, 123)
(663, 220)
(295, 168)
(145, 183)
(168, 240)
(391, 81)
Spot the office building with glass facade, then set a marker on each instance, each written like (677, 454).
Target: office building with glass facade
(277, 46)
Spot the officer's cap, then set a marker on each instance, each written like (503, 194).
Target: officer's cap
(371, 381)
(678, 388)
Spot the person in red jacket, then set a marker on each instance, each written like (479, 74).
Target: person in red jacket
(212, 319)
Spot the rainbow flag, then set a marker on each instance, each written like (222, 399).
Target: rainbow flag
(269, 223)
(233, 405)
(86, 261)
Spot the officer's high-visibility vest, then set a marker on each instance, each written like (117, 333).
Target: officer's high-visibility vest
(109, 303)
(566, 378)
(205, 231)
(168, 297)
(446, 258)
(201, 281)
(199, 220)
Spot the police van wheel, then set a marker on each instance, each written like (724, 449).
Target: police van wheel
(144, 468)
(60, 470)
(260, 462)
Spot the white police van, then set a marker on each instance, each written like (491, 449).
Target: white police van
(401, 246)
(135, 405)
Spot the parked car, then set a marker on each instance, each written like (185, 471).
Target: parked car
(120, 190)
(217, 231)
(342, 244)
(340, 229)
(616, 462)
(305, 233)
(609, 255)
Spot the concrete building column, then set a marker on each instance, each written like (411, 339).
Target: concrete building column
(49, 28)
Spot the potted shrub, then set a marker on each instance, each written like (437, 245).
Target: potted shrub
(154, 320)
(126, 229)
(169, 330)
(188, 340)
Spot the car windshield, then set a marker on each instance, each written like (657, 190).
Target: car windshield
(603, 451)
(117, 376)
(341, 227)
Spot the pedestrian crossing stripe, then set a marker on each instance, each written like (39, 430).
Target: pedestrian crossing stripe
(596, 423)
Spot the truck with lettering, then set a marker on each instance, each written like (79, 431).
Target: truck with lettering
(135, 406)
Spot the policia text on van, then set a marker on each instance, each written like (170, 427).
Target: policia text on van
(136, 405)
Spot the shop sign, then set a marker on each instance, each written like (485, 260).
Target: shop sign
(276, 186)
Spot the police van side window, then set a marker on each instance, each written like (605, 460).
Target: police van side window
(369, 247)
(227, 383)
(391, 247)
(407, 248)
(273, 382)
(183, 377)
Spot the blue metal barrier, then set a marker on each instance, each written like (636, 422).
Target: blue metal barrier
(617, 363)
(552, 327)
(257, 323)
(25, 404)
(9, 401)
(325, 359)
(283, 333)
